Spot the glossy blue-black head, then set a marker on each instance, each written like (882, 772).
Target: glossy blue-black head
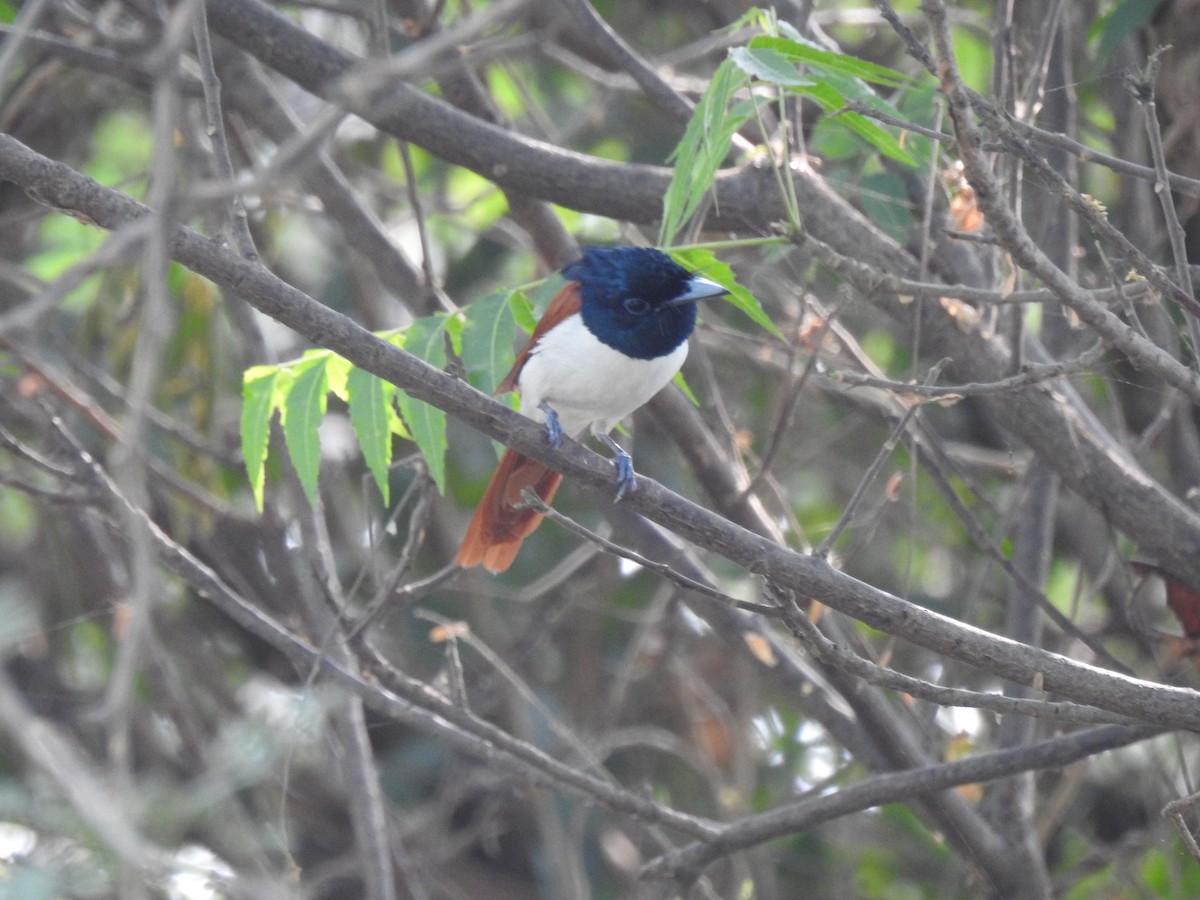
(638, 300)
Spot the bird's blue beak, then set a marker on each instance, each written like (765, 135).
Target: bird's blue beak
(698, 288)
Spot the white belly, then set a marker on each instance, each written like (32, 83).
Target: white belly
(588, 383)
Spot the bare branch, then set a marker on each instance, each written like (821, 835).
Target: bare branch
(1161, 705)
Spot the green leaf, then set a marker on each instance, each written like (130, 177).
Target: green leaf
(371, 415)
(704, 262)
(799, 50)
(767, 65)
(522, 310)
(302, 414)
(877, 137)
(122, 148)
(258, 403)
(885, 202)
(69, 243)
(1125, 18)
(337, 372)
(487, 340)
(545, 293)
(681, 383)
(833, 100)
(759, 18)
(703, 148)
(836, 77)
(454, 326)
(427, 424)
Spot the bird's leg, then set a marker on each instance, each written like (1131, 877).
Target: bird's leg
(554, 432)
(624, 466)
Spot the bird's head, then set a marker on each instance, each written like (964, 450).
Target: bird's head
(638, 300)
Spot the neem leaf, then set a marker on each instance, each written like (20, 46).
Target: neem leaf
(302, 414)
(337, 371)
(371, 415)
(258, 403)
(427, 424)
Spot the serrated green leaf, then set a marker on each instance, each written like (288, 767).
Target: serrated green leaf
(397, 425)
(370, 400)
(303, 411)
(703, 261)
(487, 340)
(258, 403)
(703, 148)
(337, 371)
(427, 424)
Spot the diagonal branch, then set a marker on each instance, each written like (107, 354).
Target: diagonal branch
(892, 788)
(62, 188)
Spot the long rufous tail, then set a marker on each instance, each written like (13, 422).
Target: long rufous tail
(498, 527)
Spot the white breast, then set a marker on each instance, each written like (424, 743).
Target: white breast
(588, 383)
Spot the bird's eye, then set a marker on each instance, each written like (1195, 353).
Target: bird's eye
(636, 306)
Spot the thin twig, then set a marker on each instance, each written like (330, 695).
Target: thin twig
(868, 478)
(829, 653)
(24, 26)
(239, 226)
(1157, 514)
(533, 501)
(892, 787)
(401, 597)
(1032, 373)
(1175, 811)
(1144, 93)
(1026, 252)
(624, 57)
(101, 806)
(795, 387)
(403, 699)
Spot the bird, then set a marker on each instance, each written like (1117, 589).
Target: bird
(611, 338)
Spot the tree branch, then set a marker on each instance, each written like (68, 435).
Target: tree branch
(62, 188)
(892, 788)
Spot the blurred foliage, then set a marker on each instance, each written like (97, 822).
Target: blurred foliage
(212, 738)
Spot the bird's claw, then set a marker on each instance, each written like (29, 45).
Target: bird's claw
(623, 463)
(554, 432)
(626, 480)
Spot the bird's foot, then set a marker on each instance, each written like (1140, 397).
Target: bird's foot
(554, 432)
(623, 463)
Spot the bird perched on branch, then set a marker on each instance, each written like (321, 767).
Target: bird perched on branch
(611, 339)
